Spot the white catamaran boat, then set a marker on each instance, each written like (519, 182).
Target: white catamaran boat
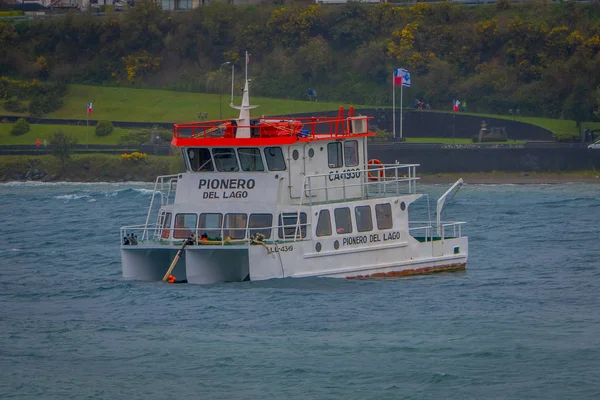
(275, 198)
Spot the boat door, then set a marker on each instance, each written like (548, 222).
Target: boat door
(296, 170)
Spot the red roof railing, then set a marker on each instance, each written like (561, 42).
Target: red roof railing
(272, 130)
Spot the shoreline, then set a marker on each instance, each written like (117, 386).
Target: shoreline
(512, 178)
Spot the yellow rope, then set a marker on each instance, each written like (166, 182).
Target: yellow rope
(258, 239)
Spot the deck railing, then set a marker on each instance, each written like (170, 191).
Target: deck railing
(153, 234)
(379, 180)
(448, 230)
(164, 187)
(303, 127)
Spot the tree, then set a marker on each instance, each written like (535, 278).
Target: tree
(579, 106)
(20, 127)
(61, 146)
(104, 128)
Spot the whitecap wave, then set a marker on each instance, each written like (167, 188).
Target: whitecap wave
(69, 197)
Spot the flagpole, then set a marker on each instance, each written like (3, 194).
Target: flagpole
(394, 105)
(232, 79)
(246, 65)
(87, 124)
(401, 90)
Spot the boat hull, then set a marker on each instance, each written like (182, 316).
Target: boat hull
(210, 265)
(151, 263)
(207, 266)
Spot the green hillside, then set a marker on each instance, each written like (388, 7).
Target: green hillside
(144, 105)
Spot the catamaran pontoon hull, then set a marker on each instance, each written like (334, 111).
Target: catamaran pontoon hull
(203, 264)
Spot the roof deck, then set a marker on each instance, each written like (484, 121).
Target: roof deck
(267, 131)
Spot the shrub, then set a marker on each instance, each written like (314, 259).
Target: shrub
(135, 137)
(382, 135)
(104, 128)
(142, 136)
(44, 104)
(134, 158)
(14, 105)
(20, 127)
(566, 137)
(61, 146)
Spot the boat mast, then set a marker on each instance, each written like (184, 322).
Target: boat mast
(243, 122)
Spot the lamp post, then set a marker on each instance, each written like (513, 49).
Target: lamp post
(221, 90)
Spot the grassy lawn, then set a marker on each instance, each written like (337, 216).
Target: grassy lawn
(144, 105)
(554, 125)
(44, 131)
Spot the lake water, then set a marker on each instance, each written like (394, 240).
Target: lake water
(522, 322)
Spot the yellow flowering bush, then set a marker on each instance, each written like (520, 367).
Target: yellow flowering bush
(134, 157)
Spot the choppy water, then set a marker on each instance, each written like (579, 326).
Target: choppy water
(522, 322)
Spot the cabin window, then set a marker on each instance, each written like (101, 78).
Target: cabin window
(351, 153)
(364, 221)
(274, 157)
(287, 223)
(334, 155)
(324, 223)
(200, 160)
(383, 212)
(250, 159)
(209, 226)
(225, 160)
(185, 225)
(343, 222)
(235, 225)
(166, 225)
(260, 223)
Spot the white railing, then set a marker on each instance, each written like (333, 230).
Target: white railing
(378, 180)
(153, 235)
(448, 230)
(165, 187)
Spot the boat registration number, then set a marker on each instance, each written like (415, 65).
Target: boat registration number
(283, 249)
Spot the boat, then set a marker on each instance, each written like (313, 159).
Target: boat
(270, 197)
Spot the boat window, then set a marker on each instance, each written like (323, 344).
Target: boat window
(262, 221)
(343, 222)
(225, 160)
(324, 223)
(274, 157)
(250, 159)
(209, 226)
(287, 223)
(166, 225)
(351, 153)
(200, 160)
(185, 225)
(334, 155)
(364, 221)
(235, 225)
(383, 213)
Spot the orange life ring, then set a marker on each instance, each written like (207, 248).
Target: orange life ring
(378, 165)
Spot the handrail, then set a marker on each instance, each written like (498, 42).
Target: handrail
(304, 127)
(430, 228)
(247, 239)
(381, 184)
(159, 181)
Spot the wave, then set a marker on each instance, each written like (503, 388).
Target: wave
(569, 201)
(91, 195)
(73, 197)
(67, 183)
